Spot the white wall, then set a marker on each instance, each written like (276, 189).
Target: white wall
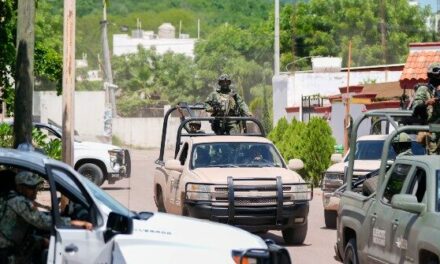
(124, 44)
(289, 88)
(89, 111)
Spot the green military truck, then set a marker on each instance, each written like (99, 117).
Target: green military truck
(399, 221)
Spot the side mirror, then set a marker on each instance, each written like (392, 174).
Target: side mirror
(408, 203)
(336, 158)
(117, 224)
(173, 165)
(295, 164)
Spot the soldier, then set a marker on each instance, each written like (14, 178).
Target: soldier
(194, 127)
(426, 107)
(226, 102)
(19, 217)
(402, 145)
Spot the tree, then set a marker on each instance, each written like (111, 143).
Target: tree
(317, 148)
(323, 28)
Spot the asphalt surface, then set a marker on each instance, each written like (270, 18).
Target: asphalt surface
(137, 194)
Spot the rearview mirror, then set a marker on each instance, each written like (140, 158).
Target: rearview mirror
(408, 203)
(118, 224)
(295, 164)
(336, 158)
(173, 165)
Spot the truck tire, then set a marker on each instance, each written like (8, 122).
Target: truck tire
(92, 172)
(330, 218)
(295, 236)
(350, 254)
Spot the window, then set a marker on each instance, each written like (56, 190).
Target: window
(418, 185)
(395, 181)
(183, 154)
(235, 154)
(79, 205)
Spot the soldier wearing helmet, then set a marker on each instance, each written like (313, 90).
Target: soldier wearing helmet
(225, 102)
(20, 218)
(402, 144)
(425, 105)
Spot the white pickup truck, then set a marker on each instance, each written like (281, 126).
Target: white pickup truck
(96, 161)
(123, 236)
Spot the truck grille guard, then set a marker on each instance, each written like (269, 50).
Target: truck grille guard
(238, 196)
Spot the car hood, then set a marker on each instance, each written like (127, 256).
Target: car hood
(94, 146)
(219, 175)
(165, 238)
(359, 165)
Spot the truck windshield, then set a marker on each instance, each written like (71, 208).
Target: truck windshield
(372, 150)
(235, 154)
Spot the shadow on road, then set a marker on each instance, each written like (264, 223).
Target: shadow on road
(115, 188)
(278, 239)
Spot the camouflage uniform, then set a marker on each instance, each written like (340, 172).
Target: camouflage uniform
(428, 113)
(226, 102)
(18, 220)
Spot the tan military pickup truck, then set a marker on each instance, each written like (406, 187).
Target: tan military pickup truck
(240, 180)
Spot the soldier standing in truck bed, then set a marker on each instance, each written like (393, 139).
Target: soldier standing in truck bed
(226, 102)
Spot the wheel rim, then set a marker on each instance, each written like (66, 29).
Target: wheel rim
(88, 174)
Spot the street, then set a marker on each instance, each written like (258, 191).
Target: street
(137, 194)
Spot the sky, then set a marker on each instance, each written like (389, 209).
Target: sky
(433, 3)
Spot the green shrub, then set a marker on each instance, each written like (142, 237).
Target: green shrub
(311, 142)
(318, 148)
(50, 147)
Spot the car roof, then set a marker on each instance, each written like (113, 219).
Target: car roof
(229, 138)
(30, 159)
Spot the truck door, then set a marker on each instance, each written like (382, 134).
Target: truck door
(71, 244)
(380, 219)
(175, 176)
(406, 221)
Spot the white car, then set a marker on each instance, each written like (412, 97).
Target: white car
(122, 236)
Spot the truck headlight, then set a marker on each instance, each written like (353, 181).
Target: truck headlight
(300, 192)
(198, 192)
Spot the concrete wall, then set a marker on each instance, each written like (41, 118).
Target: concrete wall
(145, 132)
(89, 111)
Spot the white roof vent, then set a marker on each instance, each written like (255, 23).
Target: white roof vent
(167, 31)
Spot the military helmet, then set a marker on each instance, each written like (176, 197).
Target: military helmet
(434, 70)
(224, 78)
(401, 138)
(195, 123)
(27, 178)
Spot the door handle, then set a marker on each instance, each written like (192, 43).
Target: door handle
(71, 249)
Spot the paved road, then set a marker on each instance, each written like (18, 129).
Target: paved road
(137, 194)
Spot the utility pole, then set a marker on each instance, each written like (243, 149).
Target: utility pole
(108, 77)
(24, 74)
(276, 69)
(68, 80)
(347, 120)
